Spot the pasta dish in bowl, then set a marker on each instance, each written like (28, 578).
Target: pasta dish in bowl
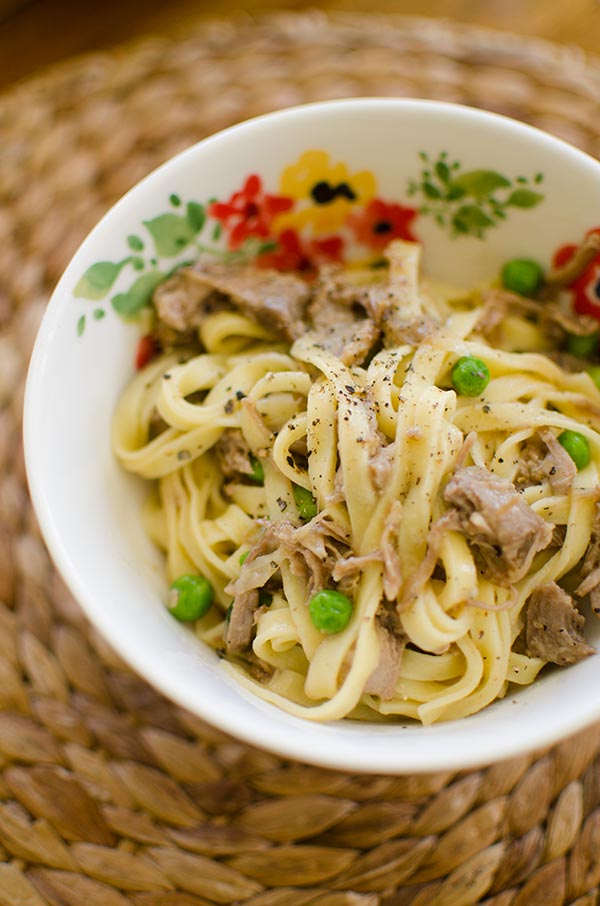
(312, 433)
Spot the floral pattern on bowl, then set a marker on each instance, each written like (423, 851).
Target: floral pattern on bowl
(586, 288)
(322, 212)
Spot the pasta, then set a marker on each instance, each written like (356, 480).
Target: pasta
(453, 522)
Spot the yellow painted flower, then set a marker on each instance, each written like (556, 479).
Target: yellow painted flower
(327, 193)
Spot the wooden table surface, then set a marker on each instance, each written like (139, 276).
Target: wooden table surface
(34, 33)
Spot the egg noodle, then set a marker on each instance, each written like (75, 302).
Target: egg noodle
(460, 625)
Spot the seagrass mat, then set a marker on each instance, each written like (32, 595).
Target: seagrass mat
(110, 795)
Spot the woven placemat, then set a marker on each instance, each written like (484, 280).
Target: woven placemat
(110, 795)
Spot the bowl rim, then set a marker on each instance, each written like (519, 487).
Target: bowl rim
(274, 739)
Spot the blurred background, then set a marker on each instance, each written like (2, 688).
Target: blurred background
(34, 33)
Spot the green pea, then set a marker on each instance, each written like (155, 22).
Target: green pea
(522, 275)
(258, 473)
(330, 611)
(470, 376)
(577, 447)
(306, 503)
(582, 346)
(243, 557)
(594, 373)
(190, 598)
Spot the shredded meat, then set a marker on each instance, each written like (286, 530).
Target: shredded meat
(233, 454)
(576, 265)
(553, 628)
(274, 299)
(381, 464)
(558, 536)
(556, 321)
(257, 668)
(590, 568)
(497, 521)
(387, 556)
(182, 302)
(417, 579)
(543, 458)
(395, 305)
(312, 551)
(349, 319)
(344, 316)
(385, 676)
(565, 360)
(338, 322)
(241, 620)
(415, 332)
(495, 306)
(392, 642)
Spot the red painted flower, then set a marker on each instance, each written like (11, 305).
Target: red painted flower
(586, 289)
(146, 350)
(327, 251)
(292, 254)
(381, 222)
(249, 212)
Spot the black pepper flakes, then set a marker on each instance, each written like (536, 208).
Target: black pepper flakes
(282, 504)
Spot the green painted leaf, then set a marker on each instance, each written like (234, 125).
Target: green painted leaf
(196, 216)
(99, 313)
(138, 296)
(175, 200)
(217, 230)
(97, 280)
(135, 243)
(80, 325)
(455, 192)
(431, 191)
(269, 246)
(471, 219)
(479, 183)
(171, 233)
(250, 249)
(524, 198)
(443, 171)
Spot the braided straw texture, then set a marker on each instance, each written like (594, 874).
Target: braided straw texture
(110, 795)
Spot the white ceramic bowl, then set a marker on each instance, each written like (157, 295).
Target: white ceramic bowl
(547, 194)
